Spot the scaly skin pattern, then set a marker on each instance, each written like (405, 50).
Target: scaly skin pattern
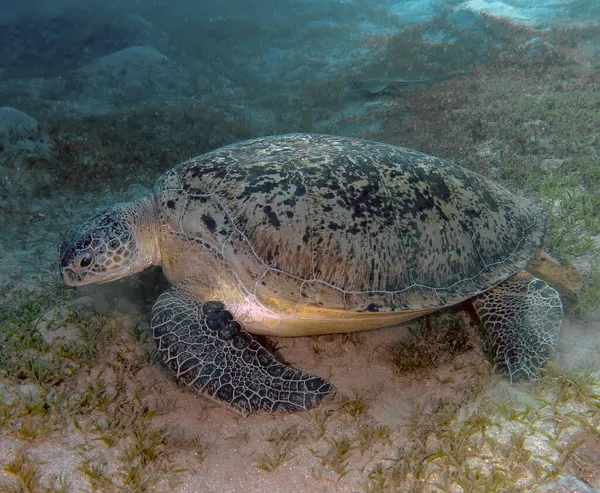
(113, 244)
(208, 350)
(521, 319)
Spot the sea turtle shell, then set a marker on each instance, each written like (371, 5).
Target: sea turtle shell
(300, 221)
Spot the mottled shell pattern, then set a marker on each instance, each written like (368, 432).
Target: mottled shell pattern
(348, 224)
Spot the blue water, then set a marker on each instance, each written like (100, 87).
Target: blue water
(98, 98)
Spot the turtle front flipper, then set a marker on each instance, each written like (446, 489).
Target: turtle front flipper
(522, 318)
(209, 351)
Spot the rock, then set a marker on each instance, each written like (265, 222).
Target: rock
(552, 163)
(414, 12)
(567, 484)
(130, 58)
(135, 77)
(17, 129)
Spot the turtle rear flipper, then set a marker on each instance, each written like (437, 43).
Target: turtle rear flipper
(522, 318)
(209, 351)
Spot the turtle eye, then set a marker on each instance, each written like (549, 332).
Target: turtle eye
(86, 259)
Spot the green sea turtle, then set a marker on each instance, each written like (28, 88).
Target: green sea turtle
(302, 234)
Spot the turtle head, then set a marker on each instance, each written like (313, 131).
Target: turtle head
(115, 243)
